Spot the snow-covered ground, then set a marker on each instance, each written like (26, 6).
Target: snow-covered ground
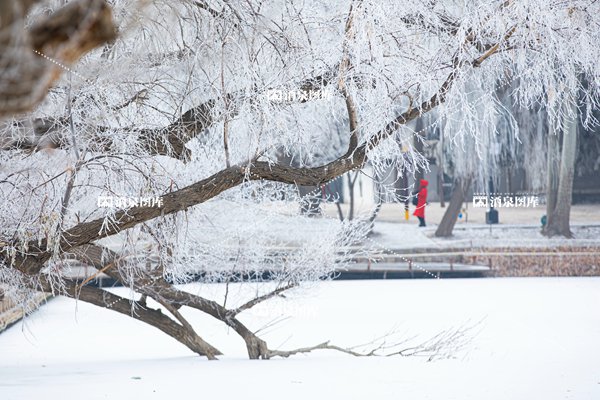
(538, 339)
(403, 237)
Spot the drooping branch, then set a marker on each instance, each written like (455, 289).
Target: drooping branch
(169, 140)
(151, 283)
(256, 347)
(107, 261)
(47, 133)
(148, 315)
(154, 317)
(189, 196)
(441, 345)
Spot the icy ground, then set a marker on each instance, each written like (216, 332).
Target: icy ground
(539, 339)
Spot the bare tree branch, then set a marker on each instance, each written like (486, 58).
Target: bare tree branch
(260, 299)
(167, 141)
(153, 317)
(442, 345)
(345, 66)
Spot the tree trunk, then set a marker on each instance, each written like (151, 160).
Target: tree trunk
(404, 192)
(351, 184)
(559, 223)
(440, 179)
(461, 186)
(441, 171)
(257, 348)
(418, 141)
(552, 179)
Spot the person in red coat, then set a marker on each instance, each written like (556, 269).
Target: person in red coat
(421, 202)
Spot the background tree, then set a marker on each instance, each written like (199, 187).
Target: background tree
(560, 185)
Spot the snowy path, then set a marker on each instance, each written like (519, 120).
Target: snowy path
(404, 237)
(539, 340)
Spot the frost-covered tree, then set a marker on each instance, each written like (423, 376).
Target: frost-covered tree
(197, 102)
(561, 166)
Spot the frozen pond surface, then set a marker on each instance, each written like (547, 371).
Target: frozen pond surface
(538, 340)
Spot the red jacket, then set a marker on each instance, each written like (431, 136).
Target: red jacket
(421, 200)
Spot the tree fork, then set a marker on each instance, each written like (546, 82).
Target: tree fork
(461, 186)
